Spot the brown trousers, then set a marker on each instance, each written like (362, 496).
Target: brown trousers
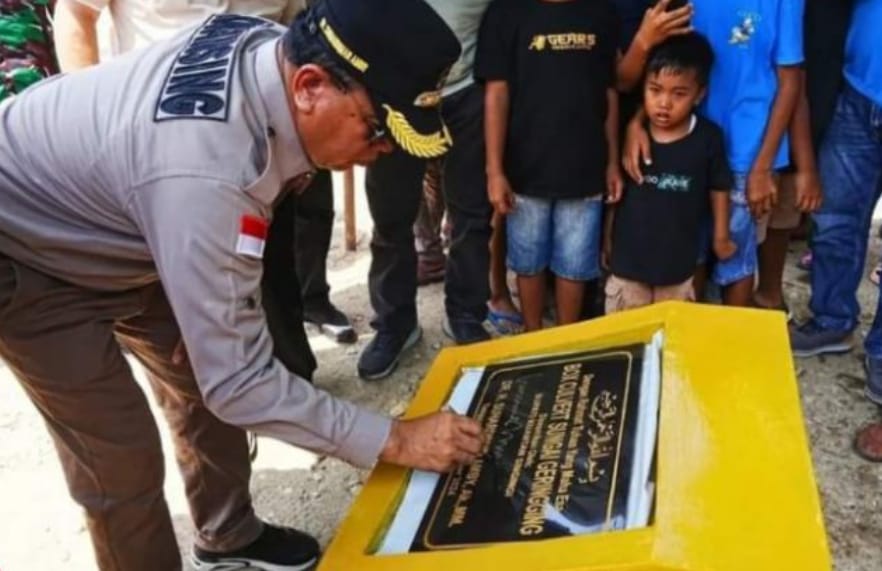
(63, 344)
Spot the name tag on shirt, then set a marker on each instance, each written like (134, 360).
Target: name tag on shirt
(252, 236)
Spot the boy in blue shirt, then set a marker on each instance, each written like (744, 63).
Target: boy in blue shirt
(752, 95)
(850, 163)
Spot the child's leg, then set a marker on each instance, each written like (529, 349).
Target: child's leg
(736, 274)
(740, 293)
(575, 252)
(532, 295)
(528, 229)
(500, 296)
(568, 297)
(773, 251)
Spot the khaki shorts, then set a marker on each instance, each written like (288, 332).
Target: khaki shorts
(622, 294)
(785, 215)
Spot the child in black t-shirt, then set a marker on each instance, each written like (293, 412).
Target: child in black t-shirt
(552, 145)
(653, 236)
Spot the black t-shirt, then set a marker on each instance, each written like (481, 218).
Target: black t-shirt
(558, 59)
(657, 224)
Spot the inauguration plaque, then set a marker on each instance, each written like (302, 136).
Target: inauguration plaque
(561, 434)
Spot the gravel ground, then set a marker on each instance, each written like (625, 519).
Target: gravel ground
(41, 529)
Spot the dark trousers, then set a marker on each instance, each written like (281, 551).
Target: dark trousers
(313, 225)
(394, 190)
(62, 342)
(295, 265)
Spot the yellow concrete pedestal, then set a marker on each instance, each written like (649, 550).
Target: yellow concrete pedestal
(735, 487)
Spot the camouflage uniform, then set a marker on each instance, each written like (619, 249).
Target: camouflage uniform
(27, 52)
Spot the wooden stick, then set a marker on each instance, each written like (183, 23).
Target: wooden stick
(349, 209)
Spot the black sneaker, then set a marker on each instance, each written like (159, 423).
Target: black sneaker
(277, 549)
(465, 331)
(330, 321)
(381, 355)
(810, 339)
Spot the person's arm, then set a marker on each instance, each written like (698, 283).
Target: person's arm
(614, 183)
(787, 57)
(494, 57)
(807, 181)
(658, 25)
(496, 106)
(724, 246)
(213, 287)
(76, 35)
(761, 188)
(636, 150)
(720, 181)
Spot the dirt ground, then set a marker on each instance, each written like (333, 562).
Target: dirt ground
(41, 528)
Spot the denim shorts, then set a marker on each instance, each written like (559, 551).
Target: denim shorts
(743, 231)
(560, 234)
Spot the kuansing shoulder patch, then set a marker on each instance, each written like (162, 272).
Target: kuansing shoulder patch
(197, 85)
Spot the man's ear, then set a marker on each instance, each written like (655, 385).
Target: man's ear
(307, 85)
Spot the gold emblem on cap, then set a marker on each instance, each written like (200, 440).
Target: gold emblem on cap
(428, 99)
(414, 142)
(342, 49)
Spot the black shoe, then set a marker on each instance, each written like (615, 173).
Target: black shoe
(465, 331)
(277, 549)
(330, 321)
(381, 355)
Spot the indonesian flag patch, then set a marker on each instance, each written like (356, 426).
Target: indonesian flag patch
(252, 236)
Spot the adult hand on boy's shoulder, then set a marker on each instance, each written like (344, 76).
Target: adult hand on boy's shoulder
(724, 248)
(500, 194)
(615, 184)
(808, 190)
(762, 191)
(659, 24)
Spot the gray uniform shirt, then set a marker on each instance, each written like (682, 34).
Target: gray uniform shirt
(146, 168)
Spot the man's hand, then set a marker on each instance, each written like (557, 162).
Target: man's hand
(762, 192)
(636, 150)
(660, 24)
(724, 248)
(808, 190)
(438, 442)
(614, 183)
(500, 193)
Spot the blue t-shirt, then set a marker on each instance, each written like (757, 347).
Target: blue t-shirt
(863, 60)
(750, 39)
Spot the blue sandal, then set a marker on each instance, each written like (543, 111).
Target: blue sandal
(505, 322)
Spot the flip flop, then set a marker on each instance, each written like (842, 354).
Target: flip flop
(505, 322)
